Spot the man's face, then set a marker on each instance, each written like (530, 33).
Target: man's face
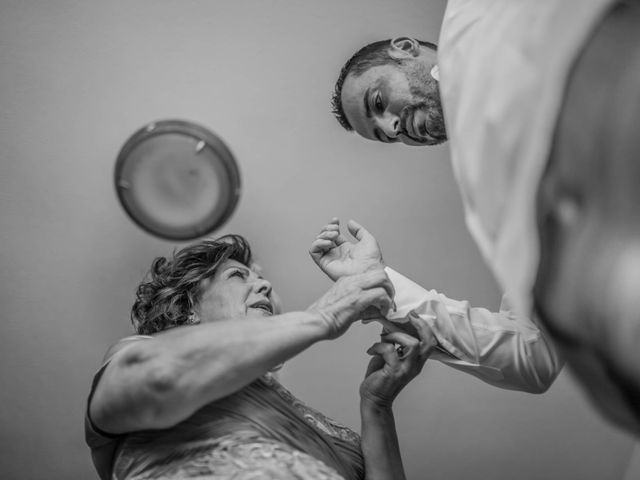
(391, 103)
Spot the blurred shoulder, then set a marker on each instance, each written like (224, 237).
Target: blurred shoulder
(122, 344)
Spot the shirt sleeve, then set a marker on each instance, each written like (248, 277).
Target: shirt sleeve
(505, 349)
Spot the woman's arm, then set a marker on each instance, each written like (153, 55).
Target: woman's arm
(380, 448)
(397, 360)
(156, 383)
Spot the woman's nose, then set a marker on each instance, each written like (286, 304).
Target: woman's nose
(262, 286)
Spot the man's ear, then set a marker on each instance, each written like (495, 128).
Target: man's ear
(403, 47)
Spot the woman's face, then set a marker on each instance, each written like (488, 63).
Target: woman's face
(235, 292)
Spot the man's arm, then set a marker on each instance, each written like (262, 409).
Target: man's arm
(503, 348)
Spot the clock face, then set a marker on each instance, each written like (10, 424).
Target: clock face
(177, 180)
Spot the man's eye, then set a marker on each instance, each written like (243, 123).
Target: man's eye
(237, 273)
(377, 102)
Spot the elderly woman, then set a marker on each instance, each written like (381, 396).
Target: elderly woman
(192, 396)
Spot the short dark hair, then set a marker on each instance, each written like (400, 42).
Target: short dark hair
(171, 288)
(371, 55)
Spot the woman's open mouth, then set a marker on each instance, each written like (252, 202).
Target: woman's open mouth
(265, 306)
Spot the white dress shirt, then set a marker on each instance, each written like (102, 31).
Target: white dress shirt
(503, 68)
(504, 348)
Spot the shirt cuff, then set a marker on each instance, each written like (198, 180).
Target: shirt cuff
(409, 296)
(428, 306)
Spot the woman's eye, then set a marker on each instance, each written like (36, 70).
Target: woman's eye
(237, 273)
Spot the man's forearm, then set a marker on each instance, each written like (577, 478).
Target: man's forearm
(382, 460)
(505, 348)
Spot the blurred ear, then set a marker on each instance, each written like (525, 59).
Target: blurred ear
(403, 47)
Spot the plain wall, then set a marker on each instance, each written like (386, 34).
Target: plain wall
(78, 77)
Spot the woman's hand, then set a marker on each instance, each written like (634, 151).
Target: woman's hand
(349, 297)
(338, 257)
(397, 359)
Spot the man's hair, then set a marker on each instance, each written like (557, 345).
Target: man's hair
(171, 289)
(371, 55)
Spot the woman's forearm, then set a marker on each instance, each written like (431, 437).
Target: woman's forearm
(380, 446)
(159, 382)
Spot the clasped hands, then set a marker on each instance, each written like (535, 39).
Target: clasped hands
(403, 348)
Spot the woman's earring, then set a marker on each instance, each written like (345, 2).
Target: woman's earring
(191, 318)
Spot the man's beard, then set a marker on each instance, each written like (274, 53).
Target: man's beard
(426, 94)
(434, 123)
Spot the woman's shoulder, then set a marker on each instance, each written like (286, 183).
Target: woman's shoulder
(122, 344)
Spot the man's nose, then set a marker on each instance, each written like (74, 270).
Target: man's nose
(390, 125)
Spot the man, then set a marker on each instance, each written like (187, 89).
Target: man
(540, 103)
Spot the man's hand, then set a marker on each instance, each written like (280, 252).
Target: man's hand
(338, 257)
(349, 297)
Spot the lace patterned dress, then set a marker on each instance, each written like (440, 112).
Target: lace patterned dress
(259, 432)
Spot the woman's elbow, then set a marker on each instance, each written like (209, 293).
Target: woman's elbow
(139, 393)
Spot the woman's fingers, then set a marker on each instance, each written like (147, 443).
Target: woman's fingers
(428, 340)
(376, 363)
(385, 350)
(378, 298)
(406, 344)
(396, 346)
(371, 279)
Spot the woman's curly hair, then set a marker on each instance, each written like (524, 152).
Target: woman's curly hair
(171, 289)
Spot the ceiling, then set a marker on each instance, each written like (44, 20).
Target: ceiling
(78, 78)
